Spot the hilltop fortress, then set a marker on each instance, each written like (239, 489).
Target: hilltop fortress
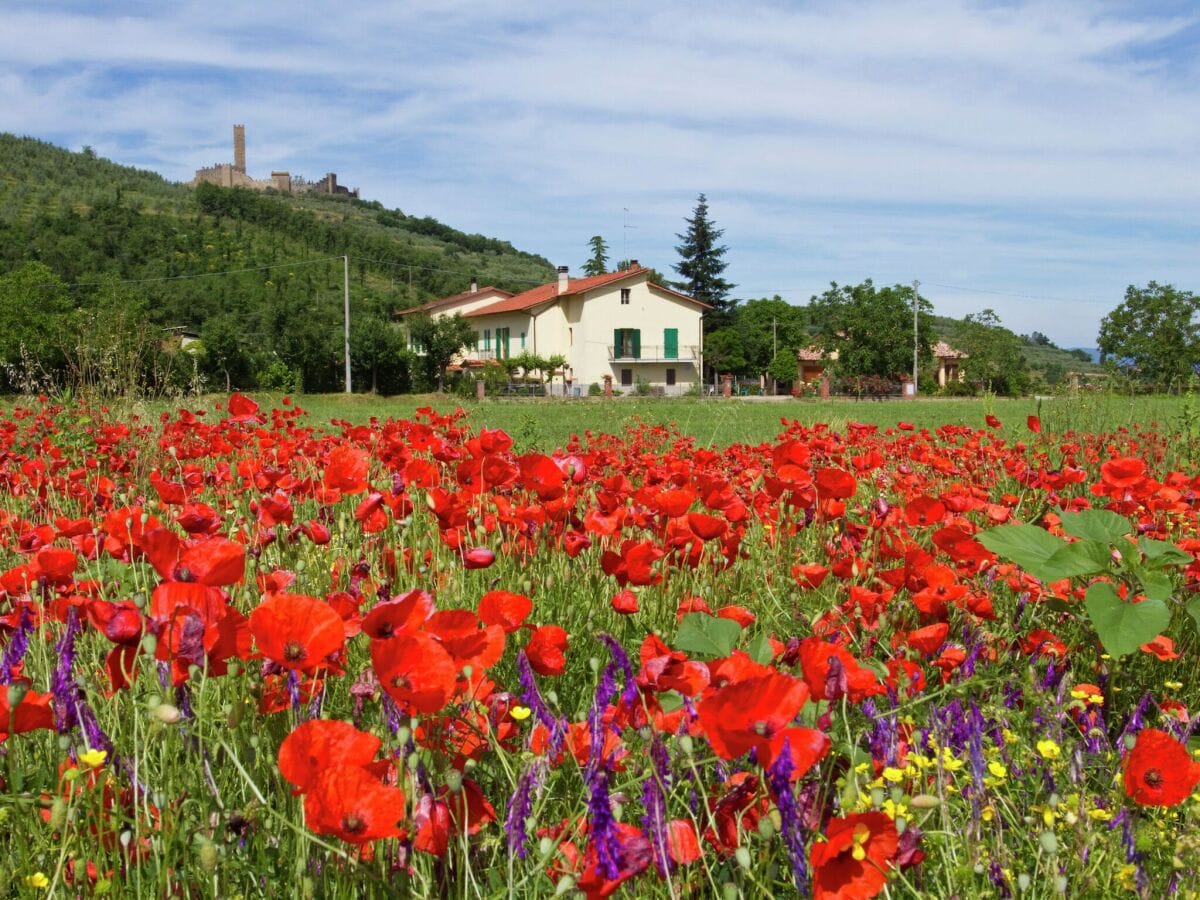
(234, 175)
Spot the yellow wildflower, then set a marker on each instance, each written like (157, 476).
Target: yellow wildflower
(37, 880)
(1049, 749)
(93, 758)
(520, 713)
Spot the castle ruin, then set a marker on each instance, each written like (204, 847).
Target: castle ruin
(234, 175)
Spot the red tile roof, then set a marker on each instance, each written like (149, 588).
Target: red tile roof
(547, 293)
(449, 301)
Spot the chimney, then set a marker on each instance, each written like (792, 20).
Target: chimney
(563, 280)
(633, 264)
(239, 147)
(474, 284)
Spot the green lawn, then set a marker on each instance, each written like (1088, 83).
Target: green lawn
(717, 422)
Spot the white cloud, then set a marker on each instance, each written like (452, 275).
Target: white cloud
(1040, 148)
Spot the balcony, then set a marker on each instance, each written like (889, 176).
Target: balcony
(647, 354)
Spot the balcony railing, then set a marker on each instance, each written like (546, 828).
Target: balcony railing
(649, 354)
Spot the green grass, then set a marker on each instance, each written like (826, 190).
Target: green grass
(547, 424)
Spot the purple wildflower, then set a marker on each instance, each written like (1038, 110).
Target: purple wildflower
(18, 645)
(602, 827)
(621, 658)
(62, 682)
(779, 778)
(654, 801)
(520, 805)
(532, 697)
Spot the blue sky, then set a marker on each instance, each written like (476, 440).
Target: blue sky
(1034, 158)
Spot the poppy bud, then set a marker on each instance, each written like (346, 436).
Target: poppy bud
(58, 813)
(167, 714)
(206, 850)
(454, 781)
(478, 558)
(16, 693)
(565, 885)
(742, 855)
(925, 801)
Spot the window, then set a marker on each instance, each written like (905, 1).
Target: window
(670, 376)
(522, 340)
(671, 343)
(627, 343)
(487, 339)
(627, 377)
(502, 343)
(624, 296)
(570, 337)
(479, 340)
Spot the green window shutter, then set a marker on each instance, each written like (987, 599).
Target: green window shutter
(479, 340)
(637, 343)
(671, 343)
(616, 343)
(522, 340)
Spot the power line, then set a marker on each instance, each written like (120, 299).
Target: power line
(79, 284)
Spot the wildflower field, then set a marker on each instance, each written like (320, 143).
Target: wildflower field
(247, 654)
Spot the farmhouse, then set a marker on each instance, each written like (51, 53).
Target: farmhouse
(813, 361)
(620, 325)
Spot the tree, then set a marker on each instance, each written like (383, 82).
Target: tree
(871, 328)
(994, 356)
(723, 352)
(1154, 332)
(768, 326)
(652, 274)
(785, 366)
(225, 356)
(598, 264)
(375, 346)
(700, 263)
(33, 303)
(440, 339)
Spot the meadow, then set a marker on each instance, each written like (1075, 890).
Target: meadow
(347, 647)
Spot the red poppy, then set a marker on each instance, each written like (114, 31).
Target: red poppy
(835, 484)
(625, 602)
(296, 631)
(504, 608)
(809, 575)
(928, 640)
(992, 421)
(416, 671)
(1123, 472)
(853, 860)
(831, 671)
(478, 558)
(924, 511)
(547, 649)
(349, 802)
(31, 713)
(1034, 424)
(806, 747)
(1159, 770)
(403, 615)
(347, 470)
(319, 744)
(242, 408)
(1162, 647)
(750, 713)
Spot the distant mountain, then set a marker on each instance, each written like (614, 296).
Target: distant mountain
(89, 219)
(1051, 361)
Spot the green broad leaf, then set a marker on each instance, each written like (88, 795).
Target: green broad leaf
(670, 701)
(760, 650)
(1155, 584)
(1161, 553)
(1079, 558)
(1193, 608)
(1026, 545)
(707, 635)
(1101, 525)
(1123, 627)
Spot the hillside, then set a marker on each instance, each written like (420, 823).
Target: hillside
(89, 220)
(1047, 360)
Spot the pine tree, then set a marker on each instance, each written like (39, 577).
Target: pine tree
(700, 263)
(598, 264)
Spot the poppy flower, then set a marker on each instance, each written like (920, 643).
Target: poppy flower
(1123, 472)
(349, 802)
(242, 408)
(31, 713)
(504, 608)
(924, 511)
(750, 713)
(992, 421)
(1034, 424)
(1162, 647)
(403, 615)
(546, 650)
(625, 602)
(347, 470)
(319, 744)
(835, 484)
(852, 862)
(478, 558)
(296, 631)
(1159, 771)
(416, 671)
(831, 671)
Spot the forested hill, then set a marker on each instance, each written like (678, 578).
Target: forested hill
(89, 220)
(1041, 355)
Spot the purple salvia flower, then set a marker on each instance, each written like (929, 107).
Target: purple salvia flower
(520, 805)
(996, 874)
(654, 801)
(293, 688)
(621, 658)
(602, 827)
(532, 697)
(17, 647)
(779, 778)
(62, 682)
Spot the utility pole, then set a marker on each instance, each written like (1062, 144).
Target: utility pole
(346, 310)
(774, 343)
(625, 234)
(916, 343)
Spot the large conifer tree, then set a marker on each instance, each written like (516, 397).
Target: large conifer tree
(700, 261)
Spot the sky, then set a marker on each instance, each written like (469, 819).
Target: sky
(1031, 158)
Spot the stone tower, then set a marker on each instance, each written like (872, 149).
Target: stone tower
(239, 147)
